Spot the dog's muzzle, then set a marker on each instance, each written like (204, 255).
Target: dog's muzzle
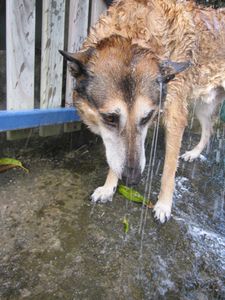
(131, 176)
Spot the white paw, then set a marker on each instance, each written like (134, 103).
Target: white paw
(103, 194)
(191, 155)
(162, 211)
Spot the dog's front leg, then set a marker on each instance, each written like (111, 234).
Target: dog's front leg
(105, 193)
(174, 132)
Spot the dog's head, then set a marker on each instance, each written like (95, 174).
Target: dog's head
(117, 95)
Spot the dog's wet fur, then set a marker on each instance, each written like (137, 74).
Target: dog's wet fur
(142, 58)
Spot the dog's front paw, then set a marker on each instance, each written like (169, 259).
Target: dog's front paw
(102, 194)
(162, 211)
(191, 155)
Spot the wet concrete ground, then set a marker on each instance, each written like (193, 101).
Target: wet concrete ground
(56, 244)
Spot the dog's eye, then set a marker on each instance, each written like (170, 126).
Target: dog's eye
(110, 119)
(145, 120)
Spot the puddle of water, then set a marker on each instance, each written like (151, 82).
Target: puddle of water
(55, 244)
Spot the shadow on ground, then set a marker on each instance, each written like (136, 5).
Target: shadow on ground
(55, 244)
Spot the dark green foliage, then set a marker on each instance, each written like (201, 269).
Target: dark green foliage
(222, 112)
(213, 3)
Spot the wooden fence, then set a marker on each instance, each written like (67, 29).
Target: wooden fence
(20, 53)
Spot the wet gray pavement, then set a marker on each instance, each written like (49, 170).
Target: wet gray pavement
(56, 244)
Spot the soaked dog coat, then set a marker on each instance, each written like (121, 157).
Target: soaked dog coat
(140, 58)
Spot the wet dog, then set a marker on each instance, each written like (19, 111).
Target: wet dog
(145, 56)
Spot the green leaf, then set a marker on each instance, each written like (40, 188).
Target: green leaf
(125, 225)
(9, 163)
(133, 195)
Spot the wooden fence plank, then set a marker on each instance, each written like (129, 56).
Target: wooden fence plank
(78, 29)
(97, 8)
(20, 32)
(53, 24)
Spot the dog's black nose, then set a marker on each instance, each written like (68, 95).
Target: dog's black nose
(131, 176)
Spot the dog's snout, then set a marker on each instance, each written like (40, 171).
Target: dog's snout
(131, 176)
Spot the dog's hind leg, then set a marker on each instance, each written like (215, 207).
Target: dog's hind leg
(204, 116)
(203, 112)
(105, 193)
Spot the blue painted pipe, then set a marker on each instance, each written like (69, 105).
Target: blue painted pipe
(22, 119)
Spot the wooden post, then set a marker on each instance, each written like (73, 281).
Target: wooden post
(78, 28)
(53, 24)
(97, 8)
(20, 32)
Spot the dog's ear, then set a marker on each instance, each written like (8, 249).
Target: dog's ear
(169, 69)
(78, 61)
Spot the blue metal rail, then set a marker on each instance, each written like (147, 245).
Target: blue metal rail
(22, 119)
